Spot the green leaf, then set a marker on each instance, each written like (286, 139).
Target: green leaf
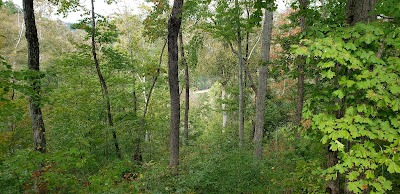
(387, 185)
(302, 50)
(326, 64)
(328, 74)
(393, 167)
(339, 93)
(353, 175)
(340, 146)
(394, 89)
(369, 38)
(352, 186)
(369, 174)
(365, 84)
(350, 46)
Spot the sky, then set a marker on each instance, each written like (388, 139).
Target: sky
(105, 9)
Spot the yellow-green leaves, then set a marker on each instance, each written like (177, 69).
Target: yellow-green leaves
(360, 96)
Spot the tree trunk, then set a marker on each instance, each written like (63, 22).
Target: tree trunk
(357, 11)
(103, 85)
(174, 25)
(224, 115)
(137, 155)
(35, 111)
(134, 97)
(246, 69)
(187, 92)
(300, 69)
(15, 53)
(332, 186)
(33, 65)
(240, 74)
(262, 79)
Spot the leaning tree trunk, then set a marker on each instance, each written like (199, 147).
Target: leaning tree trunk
(262, 79)
(240, 74)
(137, 155)
(187, 92)
(103, 85)
(174, 25)
(34, 79)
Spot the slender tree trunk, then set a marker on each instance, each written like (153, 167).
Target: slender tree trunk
(224, 115)
(134, 97)
(33, 65)
(240, 75)
(262, 79)
(174, 25)
(15, 53)
(137, 155)
(103, 85)
(246, 69)
(300, 69)
(187, 92)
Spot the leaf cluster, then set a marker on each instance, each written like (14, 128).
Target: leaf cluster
(359, 67)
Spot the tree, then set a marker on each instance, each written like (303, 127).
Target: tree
(103, 84)
(174, 25)
(33, 65)
(262, 85)
(356, 11)
(137, 156)
(240, 74)
(186, 66)
(358, 73)
(300, 68)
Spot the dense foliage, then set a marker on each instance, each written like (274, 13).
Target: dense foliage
(351, 108)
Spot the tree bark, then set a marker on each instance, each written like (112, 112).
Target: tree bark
(174, 25)
(187, 92)
(39, 139)
(103, 85)
(262, 79)
(240, 75)
(359, 11)
(332, 186)
(300, 69)
(33, 65)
